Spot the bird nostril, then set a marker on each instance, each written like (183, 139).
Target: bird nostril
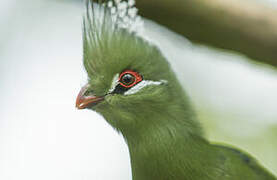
(88, 92)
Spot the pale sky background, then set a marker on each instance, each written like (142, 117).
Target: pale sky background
(43, 136)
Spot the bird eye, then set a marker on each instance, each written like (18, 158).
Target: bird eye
(129, 78)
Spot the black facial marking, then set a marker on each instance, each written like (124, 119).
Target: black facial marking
(119, 89)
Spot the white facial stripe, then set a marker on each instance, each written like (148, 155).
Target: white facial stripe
(143, 84)
(114, 83)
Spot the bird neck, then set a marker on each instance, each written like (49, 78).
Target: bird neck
(168, 148)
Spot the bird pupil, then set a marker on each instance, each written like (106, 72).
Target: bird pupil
(128, 79)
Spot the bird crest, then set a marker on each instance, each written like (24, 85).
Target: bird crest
(125, 15)
(112, 15)
(106, 22)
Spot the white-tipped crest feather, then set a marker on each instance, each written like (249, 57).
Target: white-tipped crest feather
(117, 14)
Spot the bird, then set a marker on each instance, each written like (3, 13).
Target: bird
(132, 85)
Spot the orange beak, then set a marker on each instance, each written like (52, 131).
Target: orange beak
(86, 101)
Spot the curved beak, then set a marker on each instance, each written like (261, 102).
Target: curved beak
(86, 101)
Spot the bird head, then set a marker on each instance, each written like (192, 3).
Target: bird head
(129, 80)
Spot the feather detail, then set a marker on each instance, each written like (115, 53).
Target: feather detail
(142, 85)
(105, 21)
(114, 83)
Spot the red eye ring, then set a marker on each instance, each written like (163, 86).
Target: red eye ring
(137, 78)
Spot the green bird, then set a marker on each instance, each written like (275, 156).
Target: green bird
(131, 84)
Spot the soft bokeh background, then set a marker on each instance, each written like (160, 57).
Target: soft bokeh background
(43, 136)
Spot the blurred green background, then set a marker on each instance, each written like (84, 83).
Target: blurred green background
(42, 136)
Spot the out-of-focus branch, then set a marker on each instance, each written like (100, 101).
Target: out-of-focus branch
(244, 26)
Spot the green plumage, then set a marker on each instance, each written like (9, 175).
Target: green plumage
(164, 137)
